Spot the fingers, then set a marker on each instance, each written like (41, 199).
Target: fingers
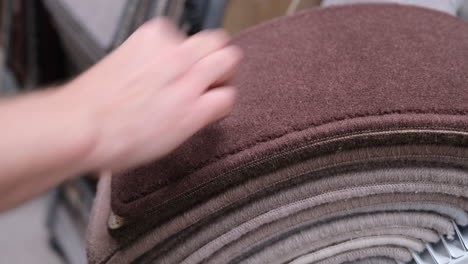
(180, 60)
(229, 73)
(210, 107)
(158, 34)
(170, 57)
(211, 71)
(203, 44)
(148, 43)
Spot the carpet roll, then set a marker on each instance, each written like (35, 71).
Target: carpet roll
(394, 253)
(368, 200)
(356, 244)
(299, 205)
(304, 241)
(374, 260)
(390, 80)
(349, 143)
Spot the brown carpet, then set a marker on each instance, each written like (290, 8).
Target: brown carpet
(347, 116)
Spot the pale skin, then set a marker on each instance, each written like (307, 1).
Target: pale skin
(135, 106)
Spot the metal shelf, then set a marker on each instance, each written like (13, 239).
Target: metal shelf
(446, 251)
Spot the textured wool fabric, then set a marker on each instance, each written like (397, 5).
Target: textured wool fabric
(269, 230)
(373, 255)
(356, 244)
(290, 245)
(152, 238)
(306, 169)
(215, 205)
(374, 260)
(458, 215)
(306, 190)
(395, 231)
(412, 76)
(272, 256)
(209, 255)
(328, 242)
(398, 176)
(145, 243)
(246, 234)
(420, 233)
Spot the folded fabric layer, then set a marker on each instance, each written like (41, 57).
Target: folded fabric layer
(376, 260)
(352, 188)
(349, 143)
(394, 253)
(317, 167)
(389, 197)
(304, 241)
(356, 244)
(231, 249)
(394, 182)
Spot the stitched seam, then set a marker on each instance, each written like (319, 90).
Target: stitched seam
(292, 129)
(350, 163)
(267, 139)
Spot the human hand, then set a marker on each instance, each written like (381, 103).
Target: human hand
(154, 92)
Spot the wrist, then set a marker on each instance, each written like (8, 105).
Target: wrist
(80, 131)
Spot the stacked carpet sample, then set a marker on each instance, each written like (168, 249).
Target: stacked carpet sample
(348, 144)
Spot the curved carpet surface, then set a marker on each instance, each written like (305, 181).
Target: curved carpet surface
(349, 144)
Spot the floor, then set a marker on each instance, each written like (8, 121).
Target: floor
(24, 238)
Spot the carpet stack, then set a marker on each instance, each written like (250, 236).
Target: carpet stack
(348, 144)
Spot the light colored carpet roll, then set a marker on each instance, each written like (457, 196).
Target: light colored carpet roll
(356, 244)
(373, 255)
(226, 244)
(286, 247)
(102, 244)
(377, 260)
(298, 221)
(344, 194)
(344, 184)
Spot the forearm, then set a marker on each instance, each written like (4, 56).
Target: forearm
(44, 140)
(136, 105)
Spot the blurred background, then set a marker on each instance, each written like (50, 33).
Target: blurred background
(46, 42)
